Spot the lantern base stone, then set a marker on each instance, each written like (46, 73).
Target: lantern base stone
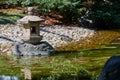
(42, 48)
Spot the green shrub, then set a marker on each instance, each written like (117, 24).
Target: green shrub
(2, 2)
(19, 2)
(9, 2)
(6, 18)
(27, 3)
(71, 10)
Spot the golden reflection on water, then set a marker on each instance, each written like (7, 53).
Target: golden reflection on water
(100, 38)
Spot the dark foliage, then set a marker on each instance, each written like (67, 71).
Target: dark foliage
(106, 13)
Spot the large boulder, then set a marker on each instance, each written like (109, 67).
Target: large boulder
(111, 70)
(26, 49)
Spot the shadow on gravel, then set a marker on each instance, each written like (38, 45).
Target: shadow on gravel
(63, 37)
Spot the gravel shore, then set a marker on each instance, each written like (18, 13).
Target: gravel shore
(60, 35)
(56, 35)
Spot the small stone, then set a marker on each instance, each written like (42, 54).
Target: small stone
(9, 53)
(5, 50)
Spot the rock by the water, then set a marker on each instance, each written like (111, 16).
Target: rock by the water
(26, 49)
(85, 22)
(111, 70)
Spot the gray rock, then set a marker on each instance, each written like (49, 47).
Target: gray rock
(66, 38)
(111, 70)
(85, 22)
(26, 49)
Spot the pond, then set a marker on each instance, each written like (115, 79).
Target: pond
(84, 64)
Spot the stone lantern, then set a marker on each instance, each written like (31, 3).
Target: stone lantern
(31, 24)
(32, 44)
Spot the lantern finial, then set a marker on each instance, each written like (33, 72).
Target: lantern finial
(31, 10)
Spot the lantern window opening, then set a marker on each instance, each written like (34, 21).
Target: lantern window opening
(33, 30)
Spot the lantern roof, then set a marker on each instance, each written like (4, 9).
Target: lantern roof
(30, 17)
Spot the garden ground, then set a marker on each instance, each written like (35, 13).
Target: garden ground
(84, 63)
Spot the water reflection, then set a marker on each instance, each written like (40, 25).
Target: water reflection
(28, 60)
(27, 73)
(4, 77)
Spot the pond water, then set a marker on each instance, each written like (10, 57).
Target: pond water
(65, 65)
(3, 77)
